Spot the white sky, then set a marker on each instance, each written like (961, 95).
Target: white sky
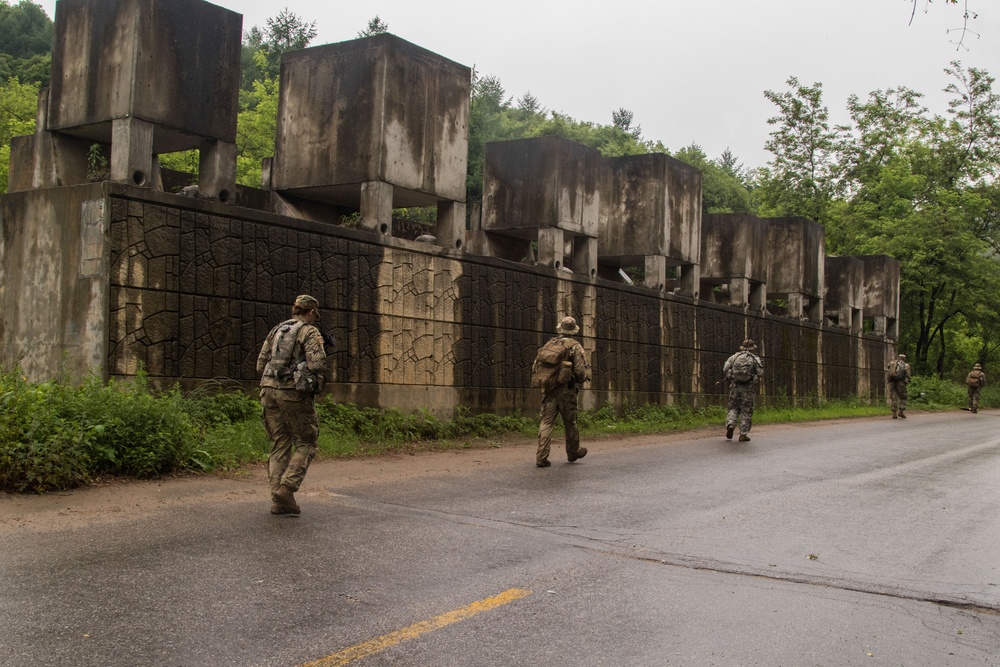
(691, 70)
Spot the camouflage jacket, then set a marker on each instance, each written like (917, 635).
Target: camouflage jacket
(581, 369)
(309, 340)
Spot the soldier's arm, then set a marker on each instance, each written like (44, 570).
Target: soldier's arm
(265, 353)
(727, 367)
(581, 369)
(315, 352)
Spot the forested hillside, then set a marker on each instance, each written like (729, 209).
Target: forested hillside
(900, 179)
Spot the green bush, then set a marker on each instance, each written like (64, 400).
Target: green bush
(931, 393)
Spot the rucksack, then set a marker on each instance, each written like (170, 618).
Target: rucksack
(282, 365)
(744, 367)
(974, 379)
(553, 366)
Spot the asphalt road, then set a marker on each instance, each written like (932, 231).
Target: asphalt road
(868, 542)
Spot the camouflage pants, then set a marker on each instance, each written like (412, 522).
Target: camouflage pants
(897, 395)
(291, 423)
(560, 401)
(741, 406)
(974, 398)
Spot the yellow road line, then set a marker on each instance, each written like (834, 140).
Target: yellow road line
(349, 655)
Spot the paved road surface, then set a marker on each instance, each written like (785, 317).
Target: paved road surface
(868, 542)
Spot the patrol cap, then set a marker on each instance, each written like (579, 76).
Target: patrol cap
(306, 302)
(748, 344)
(567, 325)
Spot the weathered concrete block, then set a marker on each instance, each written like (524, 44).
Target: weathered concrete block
(734, 245)
(541, 183)
(797, 248)
(172, 63)
(373, 109)
(650, 205)
(844, 292)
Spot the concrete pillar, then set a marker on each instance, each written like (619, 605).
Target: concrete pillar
(795, 306)
(880, 325)
(450, 230)
(815, 310)
(217, 171)
(584, 258)
(739, 292)
(689, 279)
(132, 151)
(376, 207)
(656, 272)
(550, 247)
(757, 301)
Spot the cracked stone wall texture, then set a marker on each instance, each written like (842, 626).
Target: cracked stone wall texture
(193, 294)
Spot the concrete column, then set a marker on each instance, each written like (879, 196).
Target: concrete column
(584, 259)
(550, 247)
(689, 279)
(795, 306)
(739, 292)
(880, 325)
(132, 151)
(217, 171)
(815, 310)
(450, 230)
(758, 297)
(376, 207)
(656, 272)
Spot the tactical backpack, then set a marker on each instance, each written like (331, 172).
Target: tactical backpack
(744, 367)
(974, 379)
(553, 366)
(287, 363)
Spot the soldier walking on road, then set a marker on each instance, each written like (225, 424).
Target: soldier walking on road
(899, 377)
(560, 368)
(975, 381)
(744, 371)
(291, 362)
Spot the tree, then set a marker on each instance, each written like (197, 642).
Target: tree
(25, 42)
(800, 178)
(283, 32)
(376, 26)
(722, 191)
(17, 117)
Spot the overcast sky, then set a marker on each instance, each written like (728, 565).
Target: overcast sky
(691, 70)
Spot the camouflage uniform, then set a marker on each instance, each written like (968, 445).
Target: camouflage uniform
(290, 415)
(741, 393)
(975, 387)
(899, 377)
(562, 400)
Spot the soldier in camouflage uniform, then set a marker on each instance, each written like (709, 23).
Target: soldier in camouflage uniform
(899, 377)
(289, 412)
(562, 399)
(744, 371)
(975, 381)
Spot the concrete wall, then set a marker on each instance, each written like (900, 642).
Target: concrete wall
(797, 255)
(54, 280)
(373, 109)
(189, 289)
(734, 245)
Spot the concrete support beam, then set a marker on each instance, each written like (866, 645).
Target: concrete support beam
(796, 307)
(132, 151)
(739, 292)
(217, 171)
(689, 279)
(376, 207)
(656, 272)
(450, 230)
(550, 247)
(583, 261)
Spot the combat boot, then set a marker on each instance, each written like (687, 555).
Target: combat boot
(744, 437)
(729, 431)
(901, 415)
(284, 502)
(894, 415)
(578, 454)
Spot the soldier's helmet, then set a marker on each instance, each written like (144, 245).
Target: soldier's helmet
(977, 367)
(567, 325)
(748, 345)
